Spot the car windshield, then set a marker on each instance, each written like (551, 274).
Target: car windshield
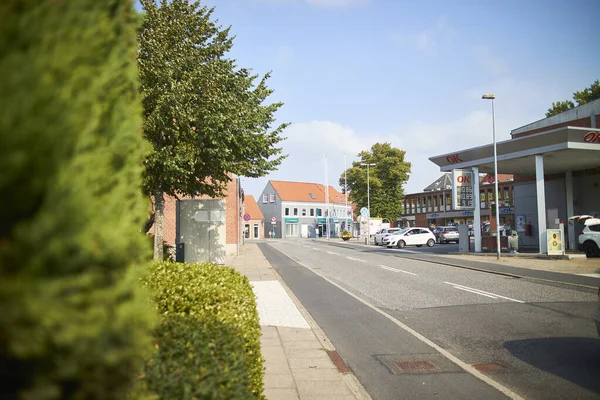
(401, 231)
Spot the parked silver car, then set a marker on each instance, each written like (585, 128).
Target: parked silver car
(445, 234)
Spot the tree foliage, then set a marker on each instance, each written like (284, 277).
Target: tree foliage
(74, 324)
(581, 97)
(203, 116)
(386, 180)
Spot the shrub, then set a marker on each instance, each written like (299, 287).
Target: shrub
(210, 293)
(74, 323)
(198, 360)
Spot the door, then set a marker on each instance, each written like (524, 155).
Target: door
(304, 230)
(247, 231)
(256, 234)
(411, 236)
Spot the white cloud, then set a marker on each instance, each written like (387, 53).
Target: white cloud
(428, 40)
(336, 3)
(517, 103)
(319, 3)
(492, 63)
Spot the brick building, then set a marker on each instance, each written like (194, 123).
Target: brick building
(433, 206)
(254, 221)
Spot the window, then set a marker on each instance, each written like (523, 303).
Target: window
(304, 212)
(312, 212)
(429, 202)
(247, 231)
(295, 212)
(272, 198)
(312, 196)
(256, 235)
(287, 211)
(265, 198)
(319, 213)
(435, 199)
(506, 194)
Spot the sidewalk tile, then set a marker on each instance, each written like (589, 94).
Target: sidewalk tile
(281, 381)
(281, 394)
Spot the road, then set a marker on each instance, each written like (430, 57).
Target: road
(528, 339)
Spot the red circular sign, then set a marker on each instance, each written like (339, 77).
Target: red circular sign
(273, 219)
(246, 217)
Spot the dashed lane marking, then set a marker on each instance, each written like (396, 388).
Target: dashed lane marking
(481, 292)
(396, 270)
(355, 259)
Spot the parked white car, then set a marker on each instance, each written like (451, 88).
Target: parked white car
(385, 232)
(411, 237)
(589, 238)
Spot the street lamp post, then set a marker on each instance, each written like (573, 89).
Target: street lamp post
(368, 201)
(492, 97)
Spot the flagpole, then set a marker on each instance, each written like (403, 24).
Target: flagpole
(326, 198)
(346, 194)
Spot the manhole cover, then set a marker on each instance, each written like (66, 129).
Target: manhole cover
(416, 365)
(491, 367)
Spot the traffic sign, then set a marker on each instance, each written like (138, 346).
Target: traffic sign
(364, 212)
(247, 217)
(336, 219)
(273, 219)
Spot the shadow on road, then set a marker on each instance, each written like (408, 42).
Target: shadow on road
(574, 359)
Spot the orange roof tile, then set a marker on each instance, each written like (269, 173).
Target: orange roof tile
(301, 191)
(250, 207)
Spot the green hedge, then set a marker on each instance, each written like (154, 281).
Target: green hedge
(74, 321)
(210, 299)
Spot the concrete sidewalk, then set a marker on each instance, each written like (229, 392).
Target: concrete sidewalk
(298, 356)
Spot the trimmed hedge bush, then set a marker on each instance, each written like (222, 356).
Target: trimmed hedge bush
(211, 299)
(74, 321)
(198, 360)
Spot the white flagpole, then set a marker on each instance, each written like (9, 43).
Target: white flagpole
(326, 198)
(346, 195)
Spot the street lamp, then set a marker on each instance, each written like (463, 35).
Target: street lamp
(492, 97)
(368, 201)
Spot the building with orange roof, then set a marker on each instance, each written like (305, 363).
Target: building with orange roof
(254, 221)
(304, 209)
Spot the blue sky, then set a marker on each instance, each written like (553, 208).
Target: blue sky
(355, 72)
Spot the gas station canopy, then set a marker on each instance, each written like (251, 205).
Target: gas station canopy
(564, 149)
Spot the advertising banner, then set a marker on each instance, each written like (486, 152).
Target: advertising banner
(555, 242)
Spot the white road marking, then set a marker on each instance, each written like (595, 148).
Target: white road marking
(406, 251)
(396, 270)
(481, 292)
(355, 259)
(473, 291)
(590, 275)
(331, 252)
(465, 366)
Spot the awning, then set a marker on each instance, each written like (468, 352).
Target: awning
(564, 149)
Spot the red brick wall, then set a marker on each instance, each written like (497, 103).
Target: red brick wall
(232, 215)
(583, 122)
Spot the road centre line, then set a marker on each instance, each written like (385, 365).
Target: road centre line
(473, 291)
(331, 252)
(482, 292)
(396, 270)
(355, 259)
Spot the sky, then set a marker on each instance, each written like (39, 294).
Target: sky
(352, 73)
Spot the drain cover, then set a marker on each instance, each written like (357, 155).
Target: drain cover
(417, 365)
(491, 367)
(424, 363)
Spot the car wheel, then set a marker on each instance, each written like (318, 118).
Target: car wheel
(590, 249)
(430, 243)
(401, 244)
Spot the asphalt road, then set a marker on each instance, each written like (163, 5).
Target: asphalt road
(530, 339)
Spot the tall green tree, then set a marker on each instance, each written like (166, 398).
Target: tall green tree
(386, 179)
(203, 116)
(581, 97)
(73, 322)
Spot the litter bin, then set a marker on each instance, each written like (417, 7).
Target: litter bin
(180, 253)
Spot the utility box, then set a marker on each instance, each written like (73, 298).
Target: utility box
(463, 238)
